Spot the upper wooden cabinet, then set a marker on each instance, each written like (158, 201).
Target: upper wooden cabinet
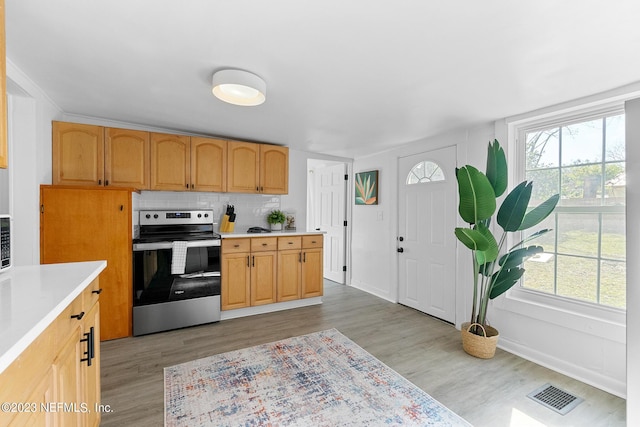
(94, 155)
(126, 162)
(4, 159)
(208, 164)
(257, 168)
(170, 162)
(181, 163)
(78, 154)
(274, 169)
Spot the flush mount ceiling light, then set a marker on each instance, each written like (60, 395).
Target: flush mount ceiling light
(239, 87)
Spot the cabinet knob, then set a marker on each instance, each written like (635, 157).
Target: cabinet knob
(106, 182)
(99, 182)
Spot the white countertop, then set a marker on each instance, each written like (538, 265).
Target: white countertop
(31, 297)
(237, 234)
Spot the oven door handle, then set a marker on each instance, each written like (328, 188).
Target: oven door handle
(169, 245)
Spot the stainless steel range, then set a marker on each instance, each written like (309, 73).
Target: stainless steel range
(176, 271)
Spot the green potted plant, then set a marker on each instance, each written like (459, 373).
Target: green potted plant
(495, 270)
(276, 218)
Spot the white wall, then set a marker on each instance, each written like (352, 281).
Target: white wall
(633, 253)
(30, 160)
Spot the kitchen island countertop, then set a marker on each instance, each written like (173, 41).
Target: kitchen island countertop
(32, 297)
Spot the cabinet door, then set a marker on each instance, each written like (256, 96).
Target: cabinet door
(78, 154)
(263, 277)
(82, 224)
(68, 378)
(289, 275)
(243, 160)
(91, 373)
(170, 162)
(235, 281)
(208, 164)
(312, 272)
(274, 169)
(126, 158)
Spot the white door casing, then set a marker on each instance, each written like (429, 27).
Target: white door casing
(331, 215)
(426, 222)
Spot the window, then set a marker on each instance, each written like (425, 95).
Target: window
(584, 254)
(425, 172)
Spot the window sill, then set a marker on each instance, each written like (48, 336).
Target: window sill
(599, 321)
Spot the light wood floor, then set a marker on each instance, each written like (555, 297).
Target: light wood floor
(424, 350)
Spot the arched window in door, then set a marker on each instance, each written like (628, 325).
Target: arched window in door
(425, 171)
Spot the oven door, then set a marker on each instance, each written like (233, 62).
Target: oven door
(153, 282)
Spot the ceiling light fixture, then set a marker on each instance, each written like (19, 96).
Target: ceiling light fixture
(239, 87)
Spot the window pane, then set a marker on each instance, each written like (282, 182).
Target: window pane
(425, 172)
(581, 186)
(547, 240)
(615, 138)
(578, 234)
(539, 273)
(613, 284)
(615, 184)
(613, 236)
(582, 143)
(578, 278)
(545, 184)
(543, 148)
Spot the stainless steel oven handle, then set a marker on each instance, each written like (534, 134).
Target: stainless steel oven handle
(168, 245)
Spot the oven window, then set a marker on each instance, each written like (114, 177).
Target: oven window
(152, 278)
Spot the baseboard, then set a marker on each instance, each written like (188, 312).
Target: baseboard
(268, 308)
(363, 287)
(608, 384)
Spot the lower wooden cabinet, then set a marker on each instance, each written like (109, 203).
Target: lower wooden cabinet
(265, 270)
(248, 272)
(56, 380)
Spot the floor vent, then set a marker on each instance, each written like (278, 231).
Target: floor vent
(555, 399)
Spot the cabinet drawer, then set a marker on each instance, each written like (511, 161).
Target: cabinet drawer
(313, 241)
(293, 242)
(264, 244)
(230, 246)
(65, 324)
(91, 295)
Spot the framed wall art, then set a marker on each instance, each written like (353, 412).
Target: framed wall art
(367, 188)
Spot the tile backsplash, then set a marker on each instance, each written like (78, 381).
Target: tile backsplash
(251, 209)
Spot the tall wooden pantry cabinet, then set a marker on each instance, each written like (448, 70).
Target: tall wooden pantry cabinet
(90, 224)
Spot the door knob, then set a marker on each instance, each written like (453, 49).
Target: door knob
(401, 238)
(400, 250)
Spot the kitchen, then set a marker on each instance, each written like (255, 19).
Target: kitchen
(33, 110)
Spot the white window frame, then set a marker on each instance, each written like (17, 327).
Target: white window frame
(530, 301)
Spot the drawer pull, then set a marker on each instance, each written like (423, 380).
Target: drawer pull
(289, 243)
(236, 246)
(313, 241)
(78, 316)
(264, 244)
(97, 292)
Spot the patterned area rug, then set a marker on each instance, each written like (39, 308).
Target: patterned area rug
(320, 379)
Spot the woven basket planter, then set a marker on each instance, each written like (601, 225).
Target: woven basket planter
(481, 346)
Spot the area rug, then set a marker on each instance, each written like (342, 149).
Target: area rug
(319, 379)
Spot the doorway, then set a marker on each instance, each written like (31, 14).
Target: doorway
(327, 212)
(426, 240)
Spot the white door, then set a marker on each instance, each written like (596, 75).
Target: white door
(426, 242)
(331, 216)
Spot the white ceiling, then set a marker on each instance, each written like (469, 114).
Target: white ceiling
(344, 77)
